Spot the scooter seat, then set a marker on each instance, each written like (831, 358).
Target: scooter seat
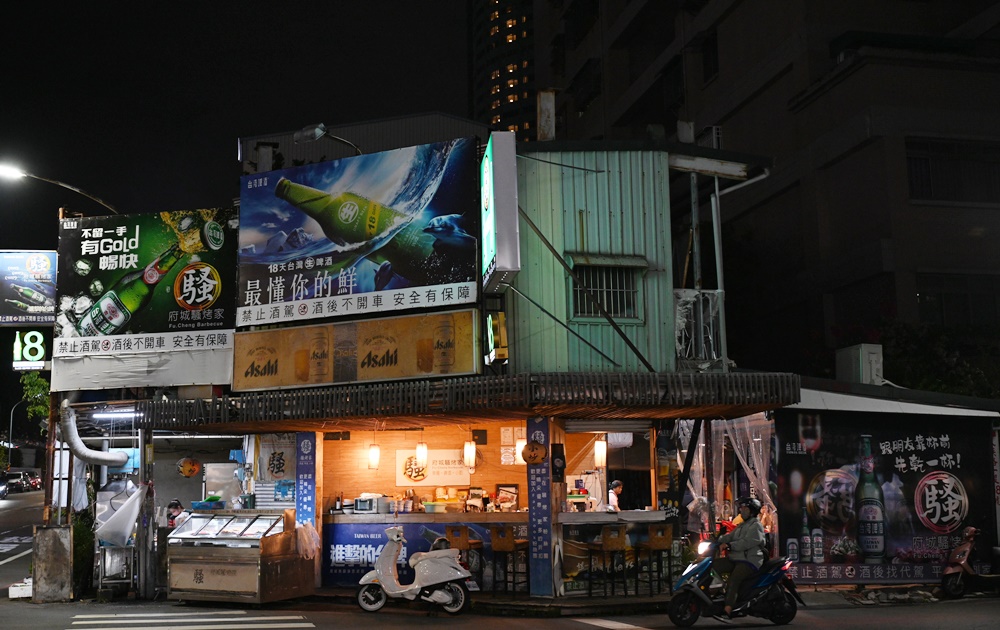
(420, 556)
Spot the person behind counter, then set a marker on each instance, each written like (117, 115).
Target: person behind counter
(616, 489)
(176, 514)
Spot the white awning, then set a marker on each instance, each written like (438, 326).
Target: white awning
(832, 401)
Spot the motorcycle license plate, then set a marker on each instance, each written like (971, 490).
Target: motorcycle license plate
(471, 585)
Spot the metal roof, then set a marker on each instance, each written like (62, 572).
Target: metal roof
(410, 404)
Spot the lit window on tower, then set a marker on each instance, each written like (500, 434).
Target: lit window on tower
(511, 38)
(511, 23)
(494, 30)
(511, 127)
(511, 83)
(496, 119)
(495, 89)
(512, 67)
(495, 74)
(511, 98)
(494, 104)
(524, 64)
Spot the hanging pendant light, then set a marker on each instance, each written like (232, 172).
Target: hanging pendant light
(600, 452)
(422, 451)
(518, 447)
(469, 454)
(374, 454)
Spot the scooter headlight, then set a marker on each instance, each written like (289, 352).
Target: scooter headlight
(703, 547)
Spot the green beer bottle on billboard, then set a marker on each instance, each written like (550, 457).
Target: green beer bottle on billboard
(130, 294)
(380, 232)
(869, 506)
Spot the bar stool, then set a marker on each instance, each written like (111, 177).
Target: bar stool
(505, 550)
(614, 540)
(458, 538)
(659, 541)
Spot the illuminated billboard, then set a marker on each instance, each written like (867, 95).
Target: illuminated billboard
(27, 287)
(146, 299)
(368, 234)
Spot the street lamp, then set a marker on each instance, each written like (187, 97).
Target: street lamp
(12, 172)
(312, 133)
(10, 432)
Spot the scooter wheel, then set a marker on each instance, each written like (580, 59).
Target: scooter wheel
(953, 585)
(684, 609)
(459, 598)
(371, 597)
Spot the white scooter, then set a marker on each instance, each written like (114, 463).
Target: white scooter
(440, 578)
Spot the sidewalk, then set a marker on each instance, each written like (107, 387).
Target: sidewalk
(506, 605)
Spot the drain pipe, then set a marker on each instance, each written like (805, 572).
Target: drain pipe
(69, 435)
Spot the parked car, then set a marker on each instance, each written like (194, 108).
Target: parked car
(18, 482)
(36, 480)
(3, 485)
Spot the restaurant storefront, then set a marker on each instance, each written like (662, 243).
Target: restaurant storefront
(561, 413)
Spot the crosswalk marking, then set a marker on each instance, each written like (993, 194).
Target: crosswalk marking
(188, 620)
(206, 620)
(162, 614)
(611, 625)
(233, 626)
(12, 558)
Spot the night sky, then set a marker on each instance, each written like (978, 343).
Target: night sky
(143, 106)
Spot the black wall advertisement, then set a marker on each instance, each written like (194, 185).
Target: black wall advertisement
(879, 498)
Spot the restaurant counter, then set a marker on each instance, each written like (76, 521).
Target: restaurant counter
(425, 517)
(625, 516)
(352, 541)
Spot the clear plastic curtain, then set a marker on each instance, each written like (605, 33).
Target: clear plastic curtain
(718, 470)
(696, 477)
(751, 440)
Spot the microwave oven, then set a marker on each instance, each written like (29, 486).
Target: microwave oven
(365, 506)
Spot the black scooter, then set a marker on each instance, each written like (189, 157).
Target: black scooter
(770, 593)
(960, 576)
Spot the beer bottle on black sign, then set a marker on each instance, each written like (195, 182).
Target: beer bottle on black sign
(869, 507)
(133, 291)
(805, 541)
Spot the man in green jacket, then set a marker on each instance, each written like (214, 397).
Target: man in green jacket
(746, 551)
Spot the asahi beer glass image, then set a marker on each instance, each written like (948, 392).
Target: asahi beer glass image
(145, 274)
(373, 233)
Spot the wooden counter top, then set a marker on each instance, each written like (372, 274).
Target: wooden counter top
(423, 517)
(625, 516)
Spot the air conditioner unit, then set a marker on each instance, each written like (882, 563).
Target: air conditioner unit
(860, 364)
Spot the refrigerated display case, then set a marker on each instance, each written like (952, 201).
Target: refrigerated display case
(237, 556)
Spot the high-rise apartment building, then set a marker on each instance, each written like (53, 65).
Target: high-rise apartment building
(503, 78)
(881, 207)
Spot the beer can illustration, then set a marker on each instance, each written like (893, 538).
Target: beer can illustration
(444, 344)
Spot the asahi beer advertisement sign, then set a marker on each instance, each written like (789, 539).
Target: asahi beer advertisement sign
(866, 501)
(149, 283)
(28, 287)
(368, 234)
(387, 348)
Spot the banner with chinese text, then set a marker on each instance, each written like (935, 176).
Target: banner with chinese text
(146, 300)
(373, 233)
(879, 498)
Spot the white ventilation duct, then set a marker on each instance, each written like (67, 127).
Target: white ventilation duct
(67, 426)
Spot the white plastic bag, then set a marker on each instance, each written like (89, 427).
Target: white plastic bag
(118, 528)
(308, 540)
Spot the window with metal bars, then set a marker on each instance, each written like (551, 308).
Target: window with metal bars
(615, 287)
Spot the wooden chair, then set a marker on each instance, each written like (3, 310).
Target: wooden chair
(659, 541)
(505, 550)
(614, 541)
(458, 538)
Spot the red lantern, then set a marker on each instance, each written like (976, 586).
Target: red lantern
(188, 466)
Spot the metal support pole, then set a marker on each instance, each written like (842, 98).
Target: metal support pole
(699, 319)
